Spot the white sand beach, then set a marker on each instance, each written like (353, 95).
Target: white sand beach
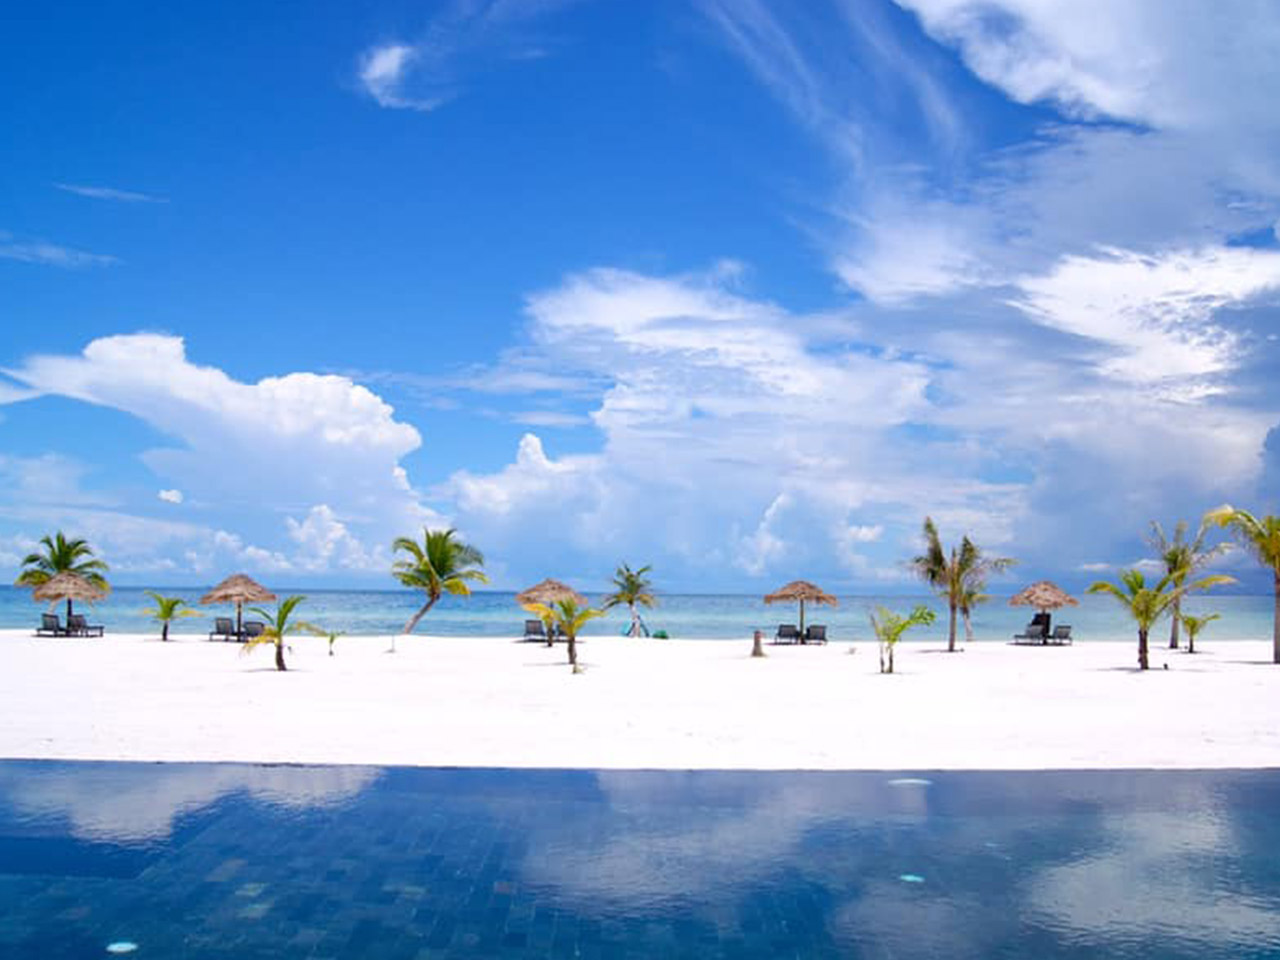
(641, 704)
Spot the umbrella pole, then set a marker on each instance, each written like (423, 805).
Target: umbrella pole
(239, 625)
(68, 611)
(802, 620)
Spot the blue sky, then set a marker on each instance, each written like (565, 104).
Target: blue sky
(743, 290)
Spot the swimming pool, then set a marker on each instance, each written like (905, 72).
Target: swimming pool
(225, 860)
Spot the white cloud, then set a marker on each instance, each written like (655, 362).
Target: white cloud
(49, 254)
(170, 496)
(382, 74)
(109, 193)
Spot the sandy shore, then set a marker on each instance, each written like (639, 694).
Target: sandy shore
(641, 704)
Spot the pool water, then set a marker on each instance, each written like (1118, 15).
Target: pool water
(232, 861)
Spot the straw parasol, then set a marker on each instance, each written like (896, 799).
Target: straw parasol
(238, 589)
(67, 586)
(548, 592)
(1044, 596)
(802, 591)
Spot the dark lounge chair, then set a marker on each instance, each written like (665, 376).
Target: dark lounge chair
(815, 633)
(1033, 634)
(252, 628)
(223, 629)
(787, 633)
(77, 626)
(50, 626)
(534, 630)
(1061, 634)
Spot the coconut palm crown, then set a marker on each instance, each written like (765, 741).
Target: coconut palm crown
(61, 555)
(632, 589)
(440, 564)
(1261, 537)
(958, 577)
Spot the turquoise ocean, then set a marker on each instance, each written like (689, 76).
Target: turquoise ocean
(712, 616)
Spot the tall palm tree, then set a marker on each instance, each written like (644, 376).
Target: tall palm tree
(1181, 558)
(280, 625)
(1261, 537)
(955, 576)
(440, 564)
(1147, 604)
(166, 610)
(61, 555)
(633, 589)
(570, 618)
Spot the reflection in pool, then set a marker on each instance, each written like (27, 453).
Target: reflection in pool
(222, 860)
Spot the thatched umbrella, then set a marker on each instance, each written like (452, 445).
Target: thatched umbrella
(549, 592)
(802, 591)
(68, 586)
(1044, 596)
(238, 589)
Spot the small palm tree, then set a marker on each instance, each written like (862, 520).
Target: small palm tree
(1261, 537)
(633, 589)
(61, 555)
(333, 638)
(1195, 625)
(570, 618)
(280, 625)
(1181, 558)
(889, 628)
(1147, 604)
(440, 564)
(166, 610)
(955, 576)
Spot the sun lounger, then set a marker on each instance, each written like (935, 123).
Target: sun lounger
(50, 626)
(224, 628)
(534, 630)
(1033, 634)
(787, 633)
(77, 626)
(1061, 634)
(815, 633)
(252, 628)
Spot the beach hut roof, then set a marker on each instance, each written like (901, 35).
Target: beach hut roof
(68, 586)
(800, 590)
(550, 591)
(238, 588)
(1043, 596)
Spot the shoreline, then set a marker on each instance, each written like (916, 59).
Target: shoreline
(490, 702)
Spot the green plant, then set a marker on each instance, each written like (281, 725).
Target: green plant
(570, 618)
(633, 589)
(1147, 604)
(958, 577)
(1261, 537)
(1181, 558)
(1195, 626)
(889, 628)
(280, 625)
(333, 636)
(61, 555)
(166, 610)
(440, 564)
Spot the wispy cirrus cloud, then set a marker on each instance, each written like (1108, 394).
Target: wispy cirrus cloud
(109, 193)
(50, 254)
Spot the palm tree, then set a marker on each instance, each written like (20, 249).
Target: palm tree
(889, 628)
(440, 564)
(61, 555)
(1147, 604)
(166, 610)
(278, 626)
(570, 618)
(958, 577)
(1195, 625)
(634, 589)
(970, 598)
(1261, 536)
(1181, 558)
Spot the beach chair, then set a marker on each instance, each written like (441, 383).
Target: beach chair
(223, 629)
(1061, 634)
(534, 630)
(787, 633)
(77, 626)
(815, 633)
(50, 626)
(252, 628)
(1033, 634)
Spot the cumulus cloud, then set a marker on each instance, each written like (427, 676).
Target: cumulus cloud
(170, 496)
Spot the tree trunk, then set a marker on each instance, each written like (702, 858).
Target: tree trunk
(951, 630)
(573, 651)
(1275, 630)
(164, 631)
(757, 644)
(1175, 630)
(1142, 650)
(635, 621)
(413, 621)
(968, 625)
(890, 658)
(1191, 642)
(280, 655)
